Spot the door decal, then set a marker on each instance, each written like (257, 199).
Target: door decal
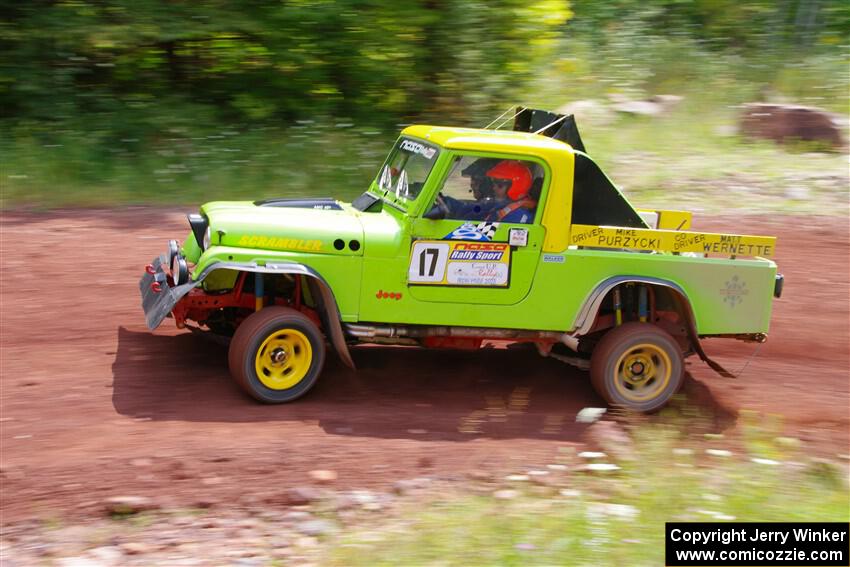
(479, 264)
(468, 231)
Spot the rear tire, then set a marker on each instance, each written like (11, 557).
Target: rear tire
(276, 355)
(637, 366)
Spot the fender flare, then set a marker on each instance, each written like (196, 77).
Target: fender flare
(320, 289)
(587, 314)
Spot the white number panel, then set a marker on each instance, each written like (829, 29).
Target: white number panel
(428, 262)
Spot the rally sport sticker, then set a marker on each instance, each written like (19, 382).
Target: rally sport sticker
(440, 262)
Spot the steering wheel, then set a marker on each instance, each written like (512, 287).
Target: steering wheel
(441, 202)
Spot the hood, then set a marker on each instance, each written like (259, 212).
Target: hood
(316, 226)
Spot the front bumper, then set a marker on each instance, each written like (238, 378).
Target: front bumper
(158, 304)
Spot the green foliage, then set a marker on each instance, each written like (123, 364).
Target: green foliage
(772, 26)
(105, 102)
(364, 59)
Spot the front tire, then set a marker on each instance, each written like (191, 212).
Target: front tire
(637, 366)
(276, 355)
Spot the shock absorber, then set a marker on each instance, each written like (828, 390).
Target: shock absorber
(259, 292)
(618, 306)
(643, 309)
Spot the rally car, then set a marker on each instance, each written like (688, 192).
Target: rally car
(467, 236)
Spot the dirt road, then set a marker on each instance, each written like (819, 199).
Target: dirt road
(93, 405)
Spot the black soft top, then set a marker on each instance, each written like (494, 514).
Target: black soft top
(596, 200)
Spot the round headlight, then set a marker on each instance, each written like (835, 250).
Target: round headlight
(207, 239)
(180, 274)
(173, 251)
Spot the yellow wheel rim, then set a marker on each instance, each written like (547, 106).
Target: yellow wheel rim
(283, 359)
(642, 372)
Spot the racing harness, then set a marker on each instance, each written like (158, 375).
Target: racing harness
(530, 204)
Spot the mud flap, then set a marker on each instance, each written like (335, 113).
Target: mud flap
(158, 305)
(694, 337)
(713, 365)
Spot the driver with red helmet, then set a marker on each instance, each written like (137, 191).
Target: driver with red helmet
(511, 182)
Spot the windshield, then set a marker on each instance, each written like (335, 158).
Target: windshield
(406, 170)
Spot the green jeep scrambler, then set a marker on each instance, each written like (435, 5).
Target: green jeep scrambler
(467, 236)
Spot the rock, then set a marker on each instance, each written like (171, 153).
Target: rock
(506, 494)
(612, 438)
(316, 527)
(590, 415)
(298, 496)
(359, 498)
(797, 193)
(517, 477)
(363, 499)
(590, 455)
(124, 505)
(784, 123)
(639, 108)
(723, 453)
(666, 101)
(323, 476)
(588, 112)
(345, 502)
(600, 467)
(141, 462)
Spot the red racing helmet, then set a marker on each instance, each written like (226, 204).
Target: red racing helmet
(517, 173)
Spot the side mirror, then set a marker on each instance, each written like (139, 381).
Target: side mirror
(435, 213)
(402, 188)
(386, 179)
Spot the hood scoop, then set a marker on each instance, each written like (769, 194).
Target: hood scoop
(321, 204)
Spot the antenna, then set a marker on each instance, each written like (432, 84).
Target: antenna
(506, 120)
(498, 117)
(551, 124)
(503, 122)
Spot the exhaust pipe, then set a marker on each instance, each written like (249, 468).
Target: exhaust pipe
(420, 331)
